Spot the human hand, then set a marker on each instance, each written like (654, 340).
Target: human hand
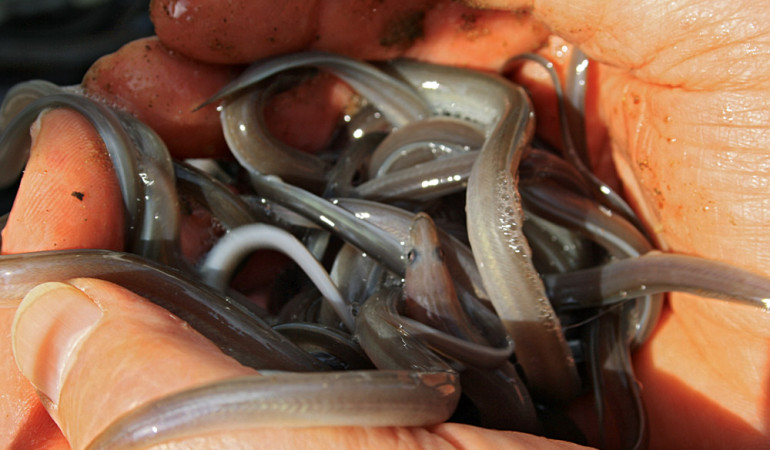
(703, 372)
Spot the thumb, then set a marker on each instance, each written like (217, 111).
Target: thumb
(95, 350)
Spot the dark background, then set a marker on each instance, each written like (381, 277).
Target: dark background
(57, 40)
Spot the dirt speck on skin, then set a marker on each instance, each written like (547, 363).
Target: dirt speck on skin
(468, 21)
(222, 47)
(403, 31)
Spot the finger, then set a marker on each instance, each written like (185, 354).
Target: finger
(541, 90)
(25, 423)
(441, 32)
(95, 350)
(239, 32)
(66, 157)
(382, 32)
(163, 89)
(307, 115)
(437, 29)
(69, 196)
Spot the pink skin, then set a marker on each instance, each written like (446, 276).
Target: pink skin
(163, 88)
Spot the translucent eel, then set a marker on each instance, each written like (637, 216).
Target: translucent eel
(21, 95)
(538, 164)
(390, 347)
(430, 299)
(348, 398)
(275, 213)
(503, 394)
(367, 237)
(562, 206)
(212, 168)
(422, 182)
(224, 321)
(422, 141)
(416, 388)
(501, 251)
(159, 236)
(330, 345)
(501, 399)
(396, 222)
(477, 354)
(244, 126)
(395, 100)
(228, 209)
(556, 249)
(15, 139)
(602, 192)
(351, 162)
(220, 263)
(428, 288)
(575, 86)
(356, 275)
(619, 237)
(15, 100)
(657, 272)
(608, 354)
(622, 419)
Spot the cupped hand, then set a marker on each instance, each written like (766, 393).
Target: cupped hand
(682, 89)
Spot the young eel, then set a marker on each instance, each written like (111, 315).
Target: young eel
(428, 287)
(413, 388)
(257, 150)
(495, 219)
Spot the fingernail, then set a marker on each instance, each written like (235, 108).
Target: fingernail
(48, 327)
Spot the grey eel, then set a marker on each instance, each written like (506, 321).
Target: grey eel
(501, 251)
(244, 127)
(236, 331)
(140, 159)
(413, 388)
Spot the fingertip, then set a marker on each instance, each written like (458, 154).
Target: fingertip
(49, 326)
(69, 195)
